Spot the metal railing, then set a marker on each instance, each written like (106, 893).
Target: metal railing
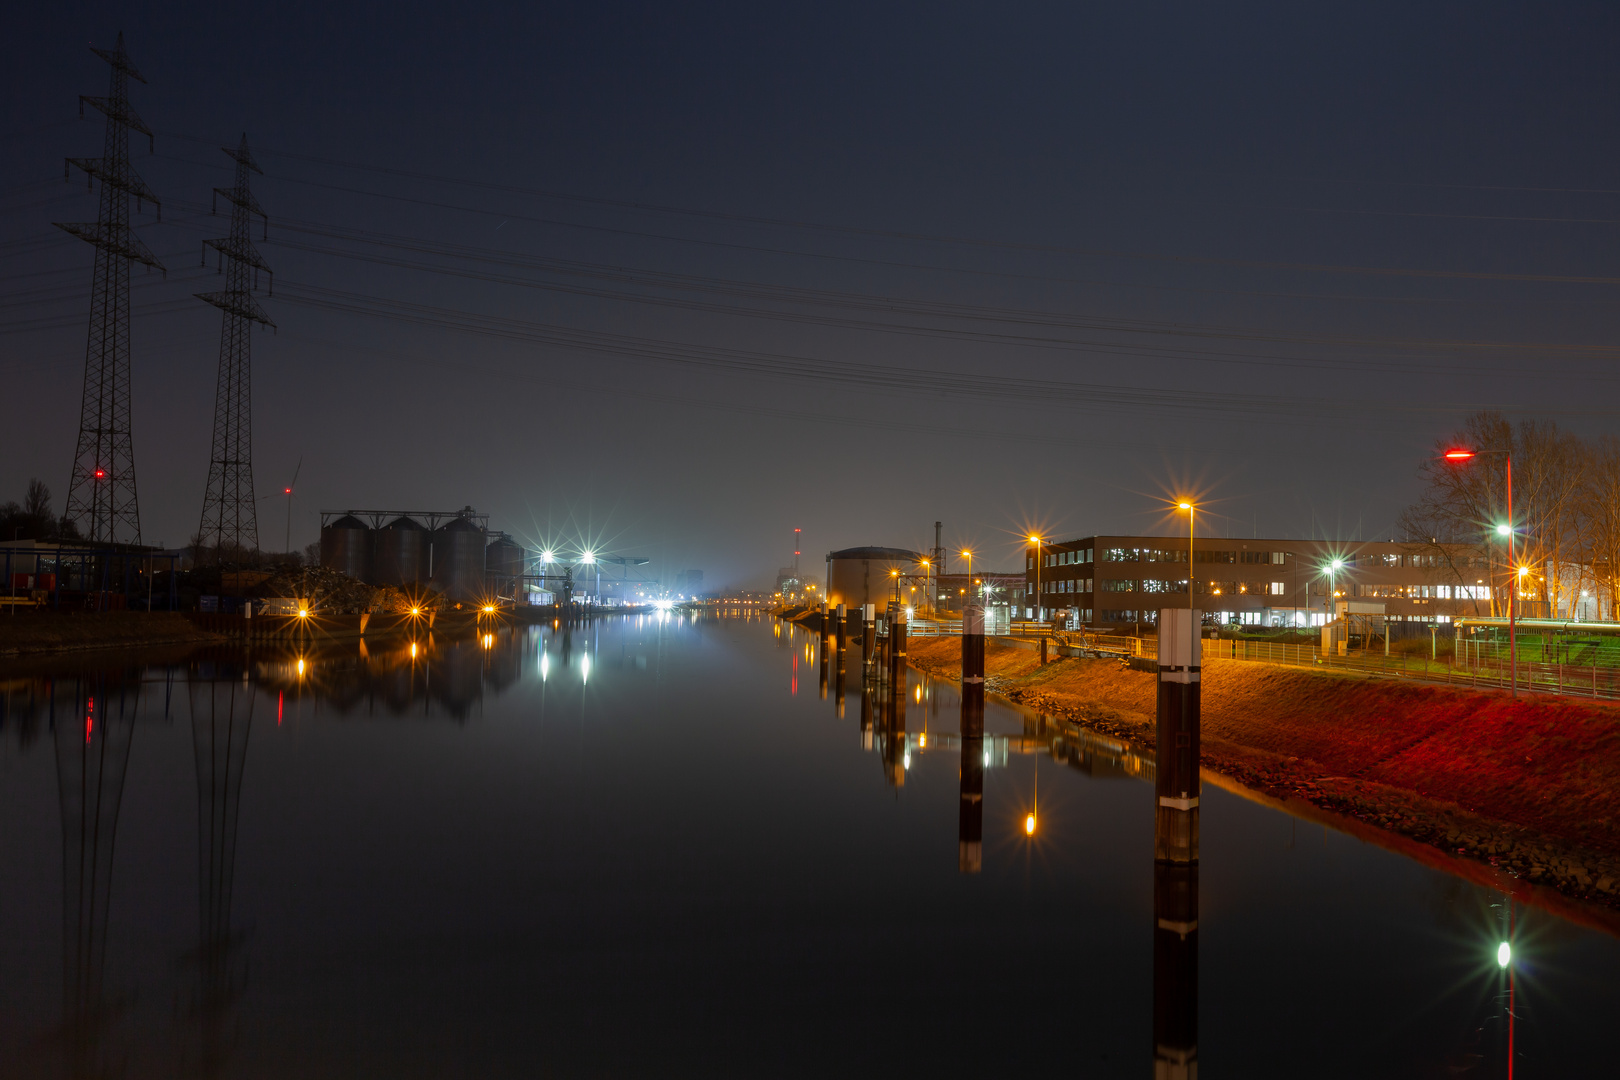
(1482, 667)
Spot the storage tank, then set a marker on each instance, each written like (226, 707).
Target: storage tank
(401, 558)
(857, 576)
(346, 546)
(505, 560)
(458, 560)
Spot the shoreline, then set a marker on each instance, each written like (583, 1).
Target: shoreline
(1439, 768)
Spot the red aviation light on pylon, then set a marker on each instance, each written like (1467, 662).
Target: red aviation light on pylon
(100, 473)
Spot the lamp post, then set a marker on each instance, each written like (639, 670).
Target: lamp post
(1192, 513)
(925, 565)
(1459, 455)
(1333, 568)
(968, 555)
(1039, 599)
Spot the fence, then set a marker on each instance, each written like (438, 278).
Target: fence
(1480, 665)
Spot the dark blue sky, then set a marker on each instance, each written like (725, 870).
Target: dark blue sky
(676, 281)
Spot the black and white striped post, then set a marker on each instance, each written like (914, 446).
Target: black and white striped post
(1175, 848)
(1175, 832)
(838, 678)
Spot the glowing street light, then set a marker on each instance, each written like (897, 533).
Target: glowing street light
(1192, 626)
(1029, 825)
(1036, 540)
(1461, 455)
(1504, 955)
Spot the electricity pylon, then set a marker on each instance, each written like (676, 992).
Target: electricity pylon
(101, 492)
(230, 523)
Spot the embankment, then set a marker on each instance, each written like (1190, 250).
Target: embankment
(26, 633)
(1530, 786)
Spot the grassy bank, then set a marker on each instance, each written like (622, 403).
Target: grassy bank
(1531, 786)
(32, 632)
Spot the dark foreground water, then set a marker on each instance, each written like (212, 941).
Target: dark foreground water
(652, 847)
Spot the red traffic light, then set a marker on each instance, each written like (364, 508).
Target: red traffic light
(1459, 455)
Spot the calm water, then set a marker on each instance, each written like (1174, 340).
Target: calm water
(652, 846)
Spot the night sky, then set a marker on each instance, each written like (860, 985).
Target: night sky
(671, 281)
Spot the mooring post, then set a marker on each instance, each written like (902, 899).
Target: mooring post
(1175, 833)
(970, 815)
(1175, 970)
(839, 624)
(868, 633)
(897, 649)
(826, 622)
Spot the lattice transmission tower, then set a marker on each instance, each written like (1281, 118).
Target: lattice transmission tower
(101, 492)
(230, 521)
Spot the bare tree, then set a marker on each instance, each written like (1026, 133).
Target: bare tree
(1602, 506)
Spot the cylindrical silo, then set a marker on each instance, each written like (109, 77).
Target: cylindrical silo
(504, 564)
(346, 546)
(401, 553)
(458, 560)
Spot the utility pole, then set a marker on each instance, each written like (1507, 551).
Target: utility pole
(101, 489)
(229, 514)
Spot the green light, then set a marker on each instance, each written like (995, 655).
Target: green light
(1504, 954)
(1502, 530)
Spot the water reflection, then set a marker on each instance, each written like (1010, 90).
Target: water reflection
(221, 707)
(92, 760)
(507, 855)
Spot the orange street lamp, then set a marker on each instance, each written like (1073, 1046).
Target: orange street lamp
(1462, 455)
(1192, 514)
(1036, 540)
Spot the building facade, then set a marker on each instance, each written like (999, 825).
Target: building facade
(1123, 581)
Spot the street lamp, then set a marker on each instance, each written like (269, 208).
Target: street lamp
(925, 585)
(968, 555)
(1333, 569)
(1192, 514)
(1039, 599)
(1461, 455)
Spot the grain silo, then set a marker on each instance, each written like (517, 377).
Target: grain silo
(458, 560)
(505, 563)
(346, 546)
(402, 554)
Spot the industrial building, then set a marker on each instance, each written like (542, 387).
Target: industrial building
(451, 552)
(1115, 581)
(868, 575)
